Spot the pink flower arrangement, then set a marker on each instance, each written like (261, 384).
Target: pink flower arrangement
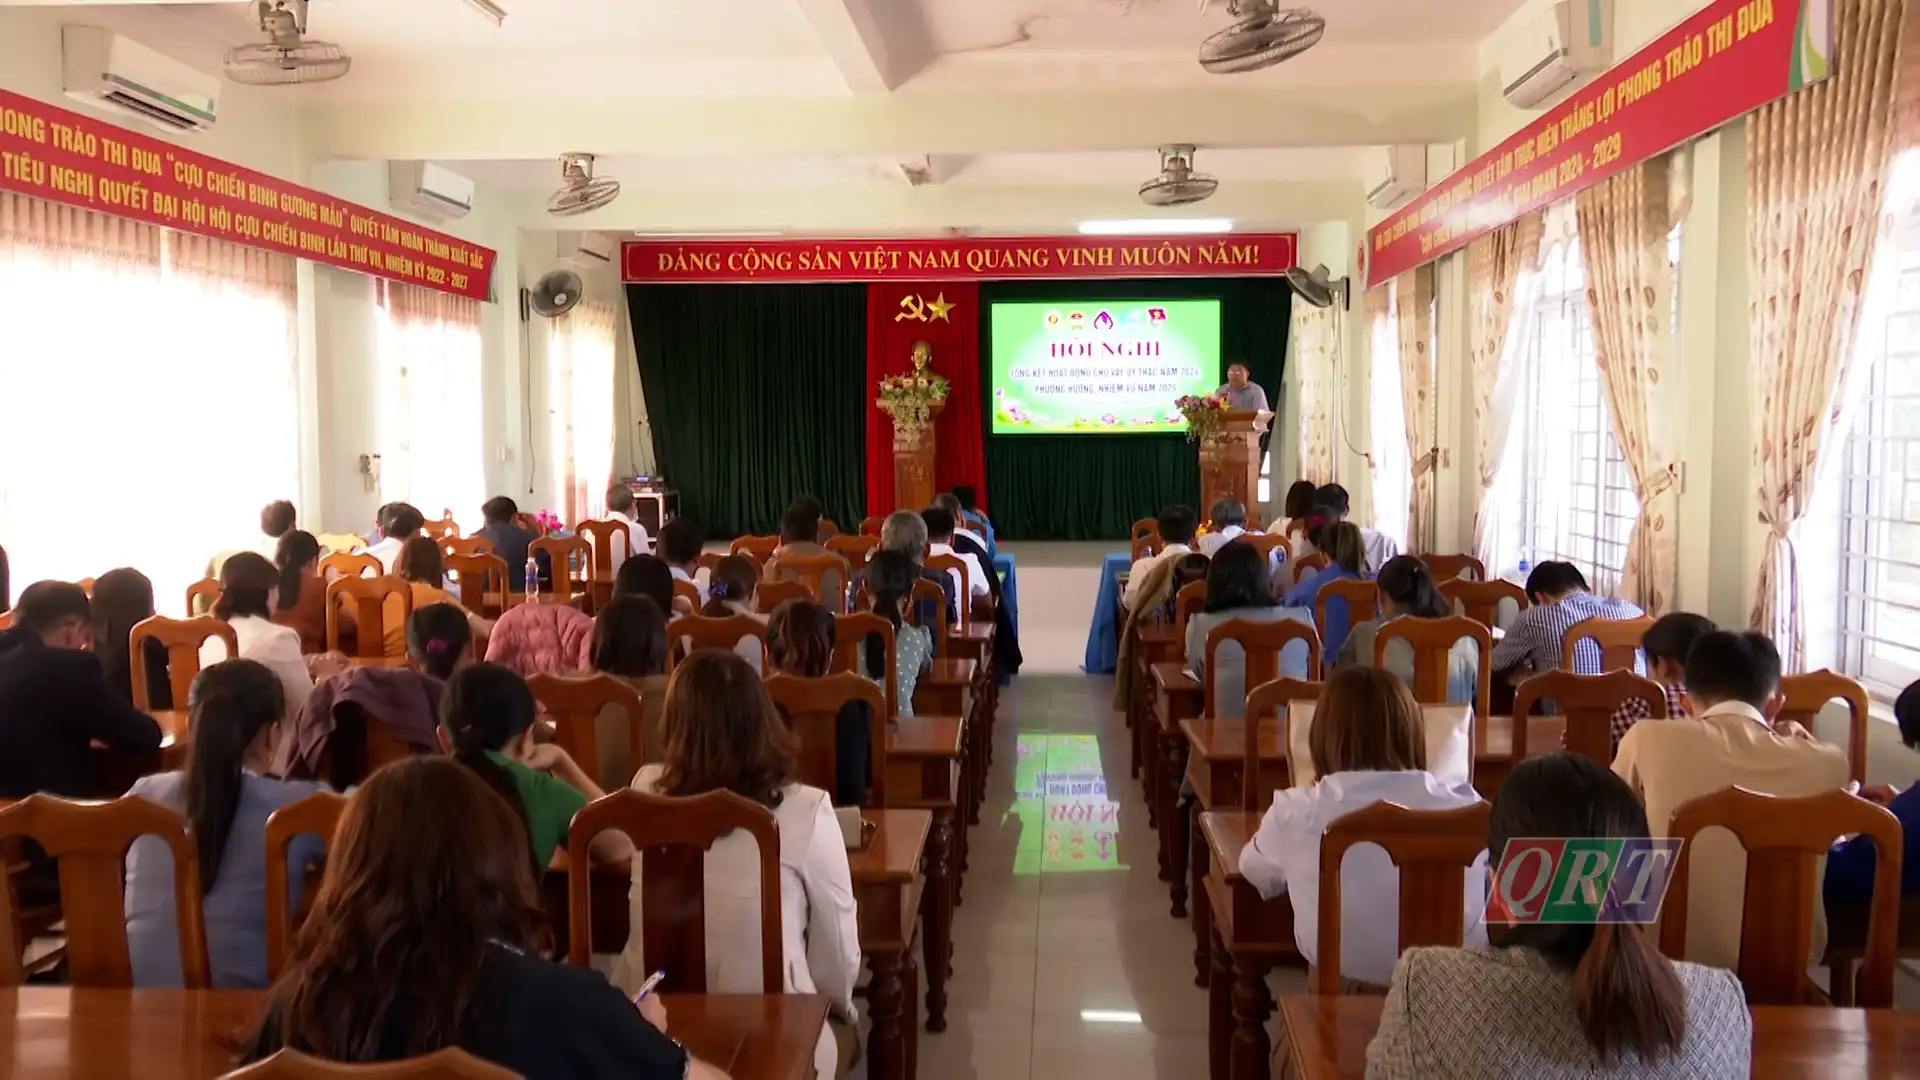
(548, 521)
(1203, 413)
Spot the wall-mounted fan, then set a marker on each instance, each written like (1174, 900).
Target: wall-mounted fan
(1264, 36)
(286, 58)
(579, 191)
(1319, 288)
(1177, 184)
(554, 294)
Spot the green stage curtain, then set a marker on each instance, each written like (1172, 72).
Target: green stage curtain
(757, 393)
(1092, 487)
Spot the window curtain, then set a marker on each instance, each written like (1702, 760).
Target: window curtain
(432, 451)
(1503, 279)
(147, 358)
(1414, 299)
(1816, 163)
(1387, 469)
(1624, 224)
(581, 389)
(1316, 334)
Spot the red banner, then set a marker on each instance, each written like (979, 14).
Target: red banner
(52, 153)
(1725, 61)
(661, 262)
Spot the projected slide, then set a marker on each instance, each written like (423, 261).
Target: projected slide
(1067, 823)
(1100, 367)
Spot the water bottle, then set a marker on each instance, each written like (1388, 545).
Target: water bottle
(1526, 567)
(533, 576)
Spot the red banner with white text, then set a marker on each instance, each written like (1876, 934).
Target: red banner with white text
(54, 153)
(962, 258)
(1719, 64)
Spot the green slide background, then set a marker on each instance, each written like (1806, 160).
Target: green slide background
(1139, 401)
(1067, 822)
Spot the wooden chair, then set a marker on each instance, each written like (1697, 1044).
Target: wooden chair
(686, 633)
(1143, 528)
(369, 598)
(771, 594)
(1618, 640)
(201, 596)
(850, 632)
(360, 745)
(1269, 699)
(344, 564)
(12, 940)
(1588, 702)
(6, 620)
(451, 1063)
(1480, 600)
(441, 528)
(90, 842)
(931, 592)
(855, 549)
(1806, 694)
(1186, 604)
(1432, 641)
(600, 535)
(708, 561)
(1264, 543)
(315, 815)
(1312, 560)
(688, 591)
(812, 708)
(182, 638)
(1361, 594)
(1261, 642)
(482, 581)
(465, 545)
(86, 585)
(828, 529)
(1447, 567)
(757, 548)
(574, 704)
(671, 837)
(827, 577)
(1784, 840)
(1432, 849)
(870, 526)
(947, 564)
(1145, 543)
(566, 555)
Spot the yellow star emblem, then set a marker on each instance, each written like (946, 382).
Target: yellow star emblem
(938, 307)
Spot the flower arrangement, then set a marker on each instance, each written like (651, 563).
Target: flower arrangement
(1203, 413)
(548, 521)
(911, 399)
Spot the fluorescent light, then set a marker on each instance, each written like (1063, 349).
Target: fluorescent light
(1108, 1016)
(1156, 226)
(494, 13)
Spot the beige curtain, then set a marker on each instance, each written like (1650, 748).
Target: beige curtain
(1624, 223)
(56, 228)
(1315, 335)
(233, 264)
(1816, 160)
(1414, 297)
(1382, 342)
(1495, 264)
(582, 389)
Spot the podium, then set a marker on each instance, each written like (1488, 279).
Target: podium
(1230, 463)
(913, 457)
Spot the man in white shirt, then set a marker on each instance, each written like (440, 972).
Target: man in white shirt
(1380, 547)
(1176, 525)
(1229, 518)
(951, 504)
(399, 523)
(621, 508)
(1732, 682)
(276, 521)
(680, 550)
(940, 542)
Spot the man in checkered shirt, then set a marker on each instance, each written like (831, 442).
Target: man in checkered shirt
(1665, 645)
(1560, 598)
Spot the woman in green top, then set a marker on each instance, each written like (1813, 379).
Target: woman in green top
(486, 723)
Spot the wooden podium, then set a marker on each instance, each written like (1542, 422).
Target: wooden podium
(1230, 464)
(913, 457)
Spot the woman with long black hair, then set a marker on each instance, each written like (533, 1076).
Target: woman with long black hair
(1407, 589)
(122, 598)
(227, 795)
(889, 583)
(300, 596)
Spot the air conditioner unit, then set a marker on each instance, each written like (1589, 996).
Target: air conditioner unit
(107, 71)
(592, 252)
(426, 190)
(1565, 45)
(1395, 174)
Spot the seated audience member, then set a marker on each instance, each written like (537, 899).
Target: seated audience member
(1346, 559)
(1665, 645)
(300, 600)
(940, 542)
(1229, 517)
(276, 521)
(679, 548)
(1154, 604)
(1556, 1001)
(800, 639)
(800, 535)
(1007, 657)
(1176, 524)
(486, 723)
(399, 523)
(809, 505)
(1368, 746)
(439, 640)
(1731, 682)
(723, 734)
(247, 583)
(621, 507)
(973, 517)
(427, 932)
(423, 568)
(629, 643)
(226, 795)
(1407, 589)
(730, 592)
(648, 576)
(889, 592)
(1237, 588)
(509, 540)
(905, 532)
(1294, 510)
(122, 598)
(1558, 593)
(1849, 879)
(1379, 547)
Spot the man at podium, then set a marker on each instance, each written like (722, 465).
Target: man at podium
(1242, 393)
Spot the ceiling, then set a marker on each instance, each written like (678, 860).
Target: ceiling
(814, 114)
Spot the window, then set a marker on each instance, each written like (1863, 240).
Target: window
(1387, 417)
(430, 410)
(580, 396)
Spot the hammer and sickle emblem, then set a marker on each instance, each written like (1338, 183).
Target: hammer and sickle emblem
(912, 309)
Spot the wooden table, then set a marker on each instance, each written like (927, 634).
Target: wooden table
(1327, 1039)
(924, 755)
(950, 688)
(1215, 765)
(1249, 936)
(1177, 696)
(1154, 643)
(187, 1034)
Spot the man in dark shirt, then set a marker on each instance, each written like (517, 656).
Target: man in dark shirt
(508, 539)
